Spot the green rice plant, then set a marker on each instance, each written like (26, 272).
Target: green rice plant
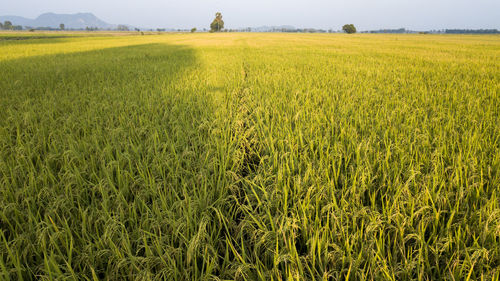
(249, 157)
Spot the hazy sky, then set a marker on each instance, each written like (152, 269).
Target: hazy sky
(365, 14)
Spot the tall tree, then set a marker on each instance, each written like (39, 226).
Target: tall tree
(61, 26)
(1, 25)
(7, 25)
(217, 24)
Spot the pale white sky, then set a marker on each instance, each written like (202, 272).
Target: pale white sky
(365, 14)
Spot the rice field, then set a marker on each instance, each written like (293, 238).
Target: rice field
(249, 157)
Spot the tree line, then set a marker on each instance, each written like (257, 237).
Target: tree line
(472, 31)
(217, 25)
(7, 25)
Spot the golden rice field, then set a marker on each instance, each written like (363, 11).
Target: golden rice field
(249, 157)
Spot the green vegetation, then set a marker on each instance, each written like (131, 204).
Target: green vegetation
(122, 27)
(349, 28)
(7, 25)
(250, 157)
(217, 24)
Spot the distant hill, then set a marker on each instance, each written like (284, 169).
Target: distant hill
(70, 21)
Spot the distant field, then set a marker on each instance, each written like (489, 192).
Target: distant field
(250, 157)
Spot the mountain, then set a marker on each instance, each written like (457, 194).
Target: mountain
(16, 20)
(70, 21)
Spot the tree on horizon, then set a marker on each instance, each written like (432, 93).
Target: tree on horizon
(349, 28)
(218, 24)
(7, 25)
